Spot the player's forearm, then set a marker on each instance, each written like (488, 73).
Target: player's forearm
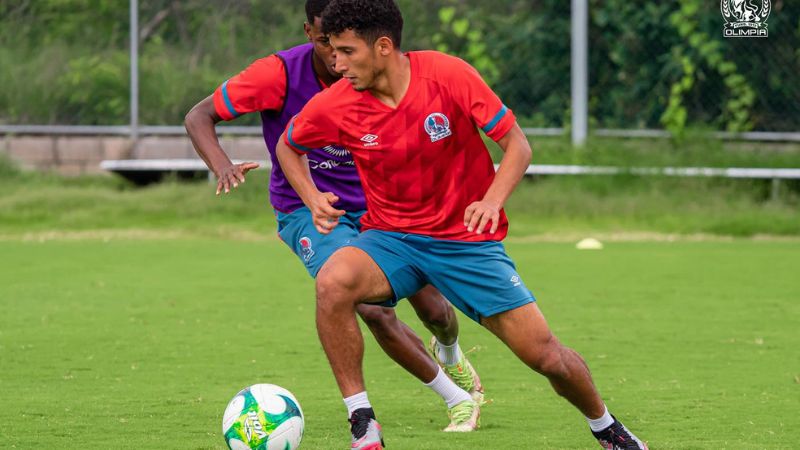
(516, 159)
(200, 124)
(295, 168)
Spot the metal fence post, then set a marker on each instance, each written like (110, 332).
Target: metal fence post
(580, 71)
(134, 100)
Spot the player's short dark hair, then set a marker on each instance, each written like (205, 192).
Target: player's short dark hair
(314, 9)
(369, 19)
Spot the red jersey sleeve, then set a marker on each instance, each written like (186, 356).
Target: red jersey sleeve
(259, 87)
(485, 107)
(314, 126)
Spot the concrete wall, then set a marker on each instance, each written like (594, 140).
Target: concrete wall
(79, 155)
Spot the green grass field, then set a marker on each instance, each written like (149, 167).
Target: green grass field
(139, 344)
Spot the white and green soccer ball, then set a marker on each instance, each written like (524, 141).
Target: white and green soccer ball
(263, 417)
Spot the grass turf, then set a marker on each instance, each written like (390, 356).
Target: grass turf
(140, 344)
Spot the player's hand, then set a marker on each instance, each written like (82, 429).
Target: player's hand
(479, 214)
(325, 216)
(233, 175)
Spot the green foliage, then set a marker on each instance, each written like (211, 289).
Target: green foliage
(639, 75)
(96, 86)
(464, 38)
(736, 113)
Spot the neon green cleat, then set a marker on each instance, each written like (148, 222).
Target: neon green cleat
(462, 374)
(464, 417)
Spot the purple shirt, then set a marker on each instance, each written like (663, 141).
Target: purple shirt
(332, 167)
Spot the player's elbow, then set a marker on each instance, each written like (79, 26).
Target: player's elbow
(524, 151)
(188, 120)
(201, 114)
(192, 119)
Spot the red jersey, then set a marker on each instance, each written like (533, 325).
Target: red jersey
(259, 87)
(423, 162)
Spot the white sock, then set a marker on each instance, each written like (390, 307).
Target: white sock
(357, 401)
(449, 391)
(448, 354)
(601, 423)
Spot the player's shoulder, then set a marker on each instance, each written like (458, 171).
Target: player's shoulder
(335, 98)
(264, 67)
(437, 65)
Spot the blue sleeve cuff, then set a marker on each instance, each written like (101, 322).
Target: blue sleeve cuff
(495, 120)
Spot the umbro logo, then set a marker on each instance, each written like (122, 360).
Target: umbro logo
(369, 140)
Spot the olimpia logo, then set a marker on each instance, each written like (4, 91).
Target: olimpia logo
(745, 18)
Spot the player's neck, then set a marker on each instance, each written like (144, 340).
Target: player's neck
(392, 85)
(322, 72)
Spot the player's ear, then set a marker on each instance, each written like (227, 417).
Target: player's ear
(307, 29)
(384, 45)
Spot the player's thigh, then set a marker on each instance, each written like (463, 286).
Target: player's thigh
(524, 330)
(352, 273)
(297, 230)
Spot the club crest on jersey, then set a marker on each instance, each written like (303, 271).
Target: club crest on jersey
(437, 126)
(305, 248)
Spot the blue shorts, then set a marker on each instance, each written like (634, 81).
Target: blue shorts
(297, 230)
(478, 278)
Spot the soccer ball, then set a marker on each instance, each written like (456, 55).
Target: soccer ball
(263, 417)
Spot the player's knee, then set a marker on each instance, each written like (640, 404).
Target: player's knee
(433, 309)
(335, 285)
(376, 317)
(438, 315)
(548, 360)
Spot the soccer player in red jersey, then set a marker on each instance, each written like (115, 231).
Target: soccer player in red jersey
(434, 205)
(278, 86)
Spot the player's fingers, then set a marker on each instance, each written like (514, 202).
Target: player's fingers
(248, 166)
(473, 221)
(219, 186)
(325, 225)
(330, 211)
(485, 217)
(495, 222)
(468, 214)
(239, 175)
(331, 198)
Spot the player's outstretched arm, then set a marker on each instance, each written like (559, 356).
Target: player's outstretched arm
(200, 123)
(295, 167)
(516, 158)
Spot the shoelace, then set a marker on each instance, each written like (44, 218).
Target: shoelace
(462, 412)
(462, 377)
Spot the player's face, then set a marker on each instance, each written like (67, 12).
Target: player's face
(322, 46)
(356, 60)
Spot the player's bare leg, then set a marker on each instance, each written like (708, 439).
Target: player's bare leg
(398, 341)
(438, 316)
(524, 330)
(349, 278)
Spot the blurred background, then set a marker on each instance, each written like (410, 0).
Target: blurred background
(664, 87)
(654, 65)
(130, 294)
